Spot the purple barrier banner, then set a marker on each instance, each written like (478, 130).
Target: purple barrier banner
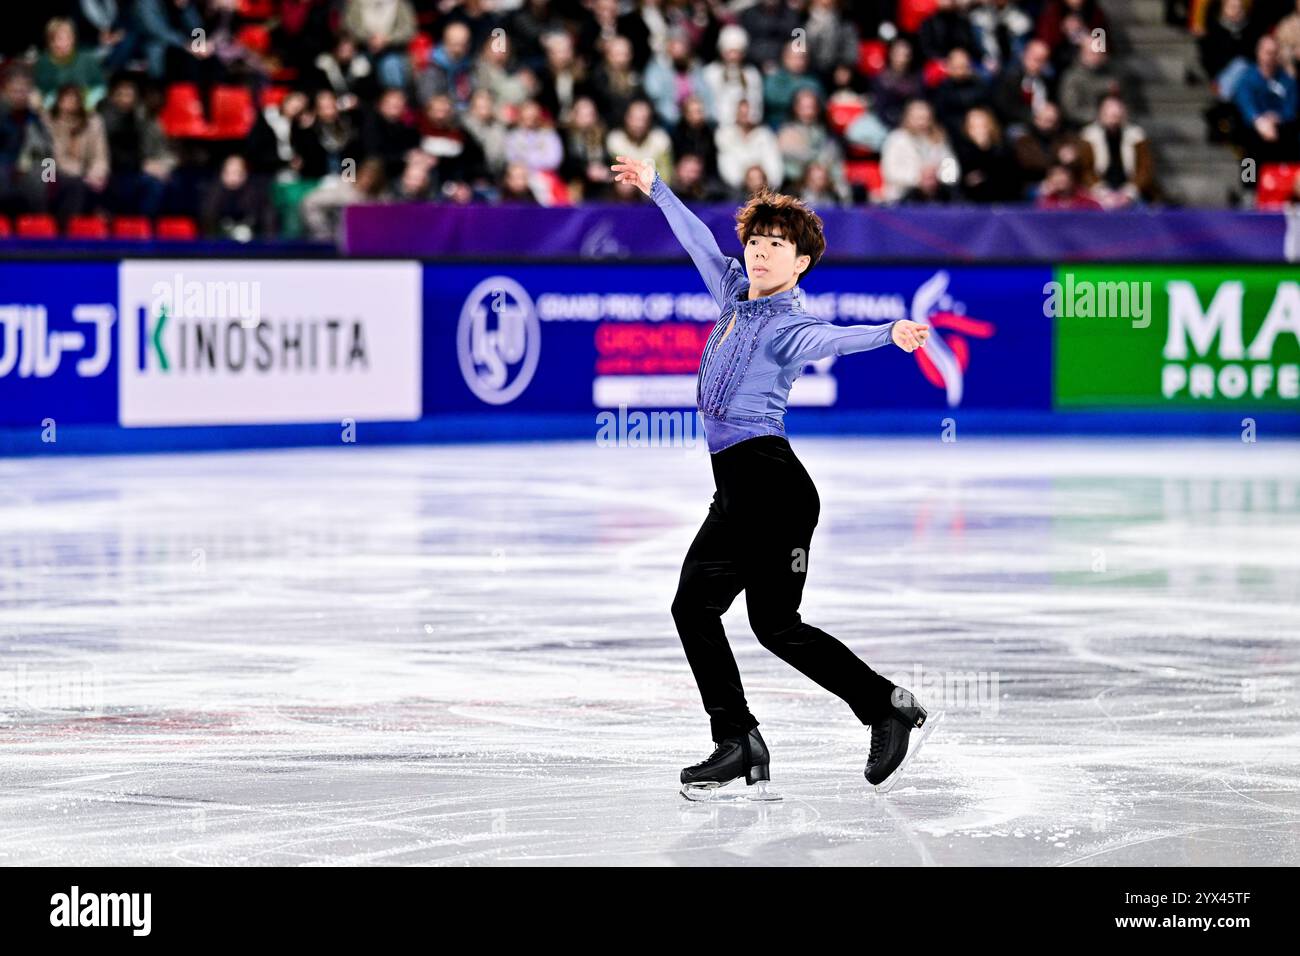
(877, 234)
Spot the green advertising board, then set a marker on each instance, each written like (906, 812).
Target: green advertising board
(1172, 336)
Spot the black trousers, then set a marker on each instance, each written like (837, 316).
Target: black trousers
(756, 538)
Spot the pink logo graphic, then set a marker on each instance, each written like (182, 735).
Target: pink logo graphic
(945, 357)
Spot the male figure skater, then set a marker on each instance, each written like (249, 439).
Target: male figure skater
(760, 523)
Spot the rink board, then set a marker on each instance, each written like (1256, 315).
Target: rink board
(189, 354)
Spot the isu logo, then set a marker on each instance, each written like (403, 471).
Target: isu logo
(945, 357)
(498, 340)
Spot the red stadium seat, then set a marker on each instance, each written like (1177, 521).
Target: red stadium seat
(933, 73)
(233, 112)
(557, 190)
(5, 229)
(257, 9)
(177, 228)
(1276, 184)
(87, 227)
(132, 227)
(419, 49)
(255, 37)
(912, 13)
(272, 96)
(866, 173)
(872, 56)
(841, 113)
(37, 226)
(182, 112)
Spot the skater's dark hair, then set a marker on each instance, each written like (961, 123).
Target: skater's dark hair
(768, 213)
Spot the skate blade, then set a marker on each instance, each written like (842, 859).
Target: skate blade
(720, 793)
(913, 747)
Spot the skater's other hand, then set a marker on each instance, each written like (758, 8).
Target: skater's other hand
(639, 172)
(908, 335)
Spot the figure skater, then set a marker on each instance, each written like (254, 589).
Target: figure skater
(759, 525)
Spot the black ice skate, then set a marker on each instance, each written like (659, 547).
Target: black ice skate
(891, 735)
(732, 758)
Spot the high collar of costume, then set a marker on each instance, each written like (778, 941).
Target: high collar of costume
(765, 304)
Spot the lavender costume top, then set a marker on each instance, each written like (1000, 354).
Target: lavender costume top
(744, 380)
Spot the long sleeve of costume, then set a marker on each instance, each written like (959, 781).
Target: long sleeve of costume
(812, 338)
(722, 274)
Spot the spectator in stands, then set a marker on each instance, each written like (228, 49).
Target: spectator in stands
(497, 72)
(452, 148)
(960, 93)
(768, 24)
(691, 181)
(674, 76)
(639, 137)
(731, 79)
(867, 131)
(616, 82)
(744, 144)
(20, 124)
(1227, 47)
(945, 29)
(488, 131)
(585, 161)
(109, 29)
(1001, 31)
(236, 207)
(477, 16)
(603, 24)
(527, 26)
(173, 48)
(417, 182)
(1061, 190)
(79, 148)
(805, 139)
(1266, 97)
(1064, 24)
(383, 28)
(386, 133)
(515, 186)
(832, 40)
(817, 189)
(450, 67)
(896, 84)
(564, 77)
(62, 64)
(1287, 35)
(324, 136)
(1025, 87)
(321, 209)
(1121, 155)
(1046, 143)
(755, 181)
(781, 85)
(916, 160)
(695, 135)
(140, 160)
(988, 170)
(534, 143)
(1088, 79)
(347, 74)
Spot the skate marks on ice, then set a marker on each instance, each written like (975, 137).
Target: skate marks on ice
(465, 656)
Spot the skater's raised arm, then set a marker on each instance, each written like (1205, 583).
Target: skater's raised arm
(811, 338)
(720, 272)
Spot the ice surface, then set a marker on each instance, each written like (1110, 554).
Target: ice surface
(464, 655)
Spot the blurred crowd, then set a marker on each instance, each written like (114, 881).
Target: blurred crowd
(1249, 51)
(527, 101)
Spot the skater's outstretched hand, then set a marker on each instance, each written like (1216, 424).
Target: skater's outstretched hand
(909, 335)
(639, 172)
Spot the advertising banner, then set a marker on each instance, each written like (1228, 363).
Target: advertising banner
(226, 343)
(1176, 337)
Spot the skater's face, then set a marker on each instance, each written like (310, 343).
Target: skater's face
(772, 262)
